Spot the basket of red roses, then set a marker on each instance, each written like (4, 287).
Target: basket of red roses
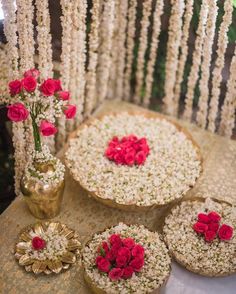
(200, 236)
(126, 259)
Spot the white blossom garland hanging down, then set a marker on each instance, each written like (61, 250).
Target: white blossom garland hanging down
(4, 68)
(123, 7)
(25, 13)
(81, 14)
(183, 51)
(206, 63)
(44, 39)
(143, 42)
(10, 30)
(197, 54)
(66, 21)
(153, 51)
(229, 106)
(90, 93)
(114, 53)
(104, 59)
(173, 45)
(130, 47)
(219, 64)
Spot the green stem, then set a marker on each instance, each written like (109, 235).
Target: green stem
(37, 139)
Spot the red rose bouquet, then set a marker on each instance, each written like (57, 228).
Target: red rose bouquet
(120, 257)
(42, 101)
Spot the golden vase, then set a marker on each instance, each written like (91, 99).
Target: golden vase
(43, 199)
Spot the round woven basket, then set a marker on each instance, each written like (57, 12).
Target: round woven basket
(97, 290)
(97, 195)
(179, 259)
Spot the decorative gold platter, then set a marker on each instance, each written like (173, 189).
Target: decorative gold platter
(60, 252)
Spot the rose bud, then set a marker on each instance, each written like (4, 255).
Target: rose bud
(70, 111)
(209, 236)
(225, 232)
(48, 87)
(17, 112)
(57, 84)
(47, 129)
(29, 83)
(32, 73)
(15, 87)
(63, 95)
(38, 243)
(200, 227)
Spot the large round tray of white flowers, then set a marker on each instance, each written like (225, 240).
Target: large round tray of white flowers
(126, 259)
(200, 236)
(133, 161)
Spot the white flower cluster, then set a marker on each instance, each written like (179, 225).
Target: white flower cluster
(197, 54)
(156, 267)
(190, 249)
(56, 245)
(173, 47)
(219, 63)
(170, 169)
(143, 43)
(53, 177)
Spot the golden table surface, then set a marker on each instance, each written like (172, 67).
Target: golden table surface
(87, 216)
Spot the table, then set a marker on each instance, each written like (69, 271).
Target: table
(87, 216)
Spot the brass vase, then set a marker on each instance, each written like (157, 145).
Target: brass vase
(43, 200)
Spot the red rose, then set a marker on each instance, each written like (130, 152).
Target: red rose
(225, 232)
(140, 158)
(111, 255)
(38, 243)
(110, 153)
(103, 264)
(103, 249)
(15, 87)
(213, 227)
(17, 112)
(130, 158)
(118, 158)
(132, 138)
(32, 73)
(203, 218)
(128, 242)
(115, 274)
(200, 227)
(48, 87)
(137, 264)
(121, 261)
(138, 251)
(128, 272)
(115, 239)
(57, 85)
(70, 111)
(29, 84)
(47, 128)
(210, 236)
(214, 217)
(145, 149)
(124, 251)
(64, 95)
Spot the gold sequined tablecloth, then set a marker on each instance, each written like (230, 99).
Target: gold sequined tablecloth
(87, 216)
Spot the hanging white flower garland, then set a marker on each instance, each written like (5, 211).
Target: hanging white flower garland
(219, 64)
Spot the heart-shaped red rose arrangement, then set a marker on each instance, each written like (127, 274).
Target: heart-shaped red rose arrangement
(209, 226)
(120, 258)
(128, 150)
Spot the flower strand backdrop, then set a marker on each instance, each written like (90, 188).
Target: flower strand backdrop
(110, 49)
